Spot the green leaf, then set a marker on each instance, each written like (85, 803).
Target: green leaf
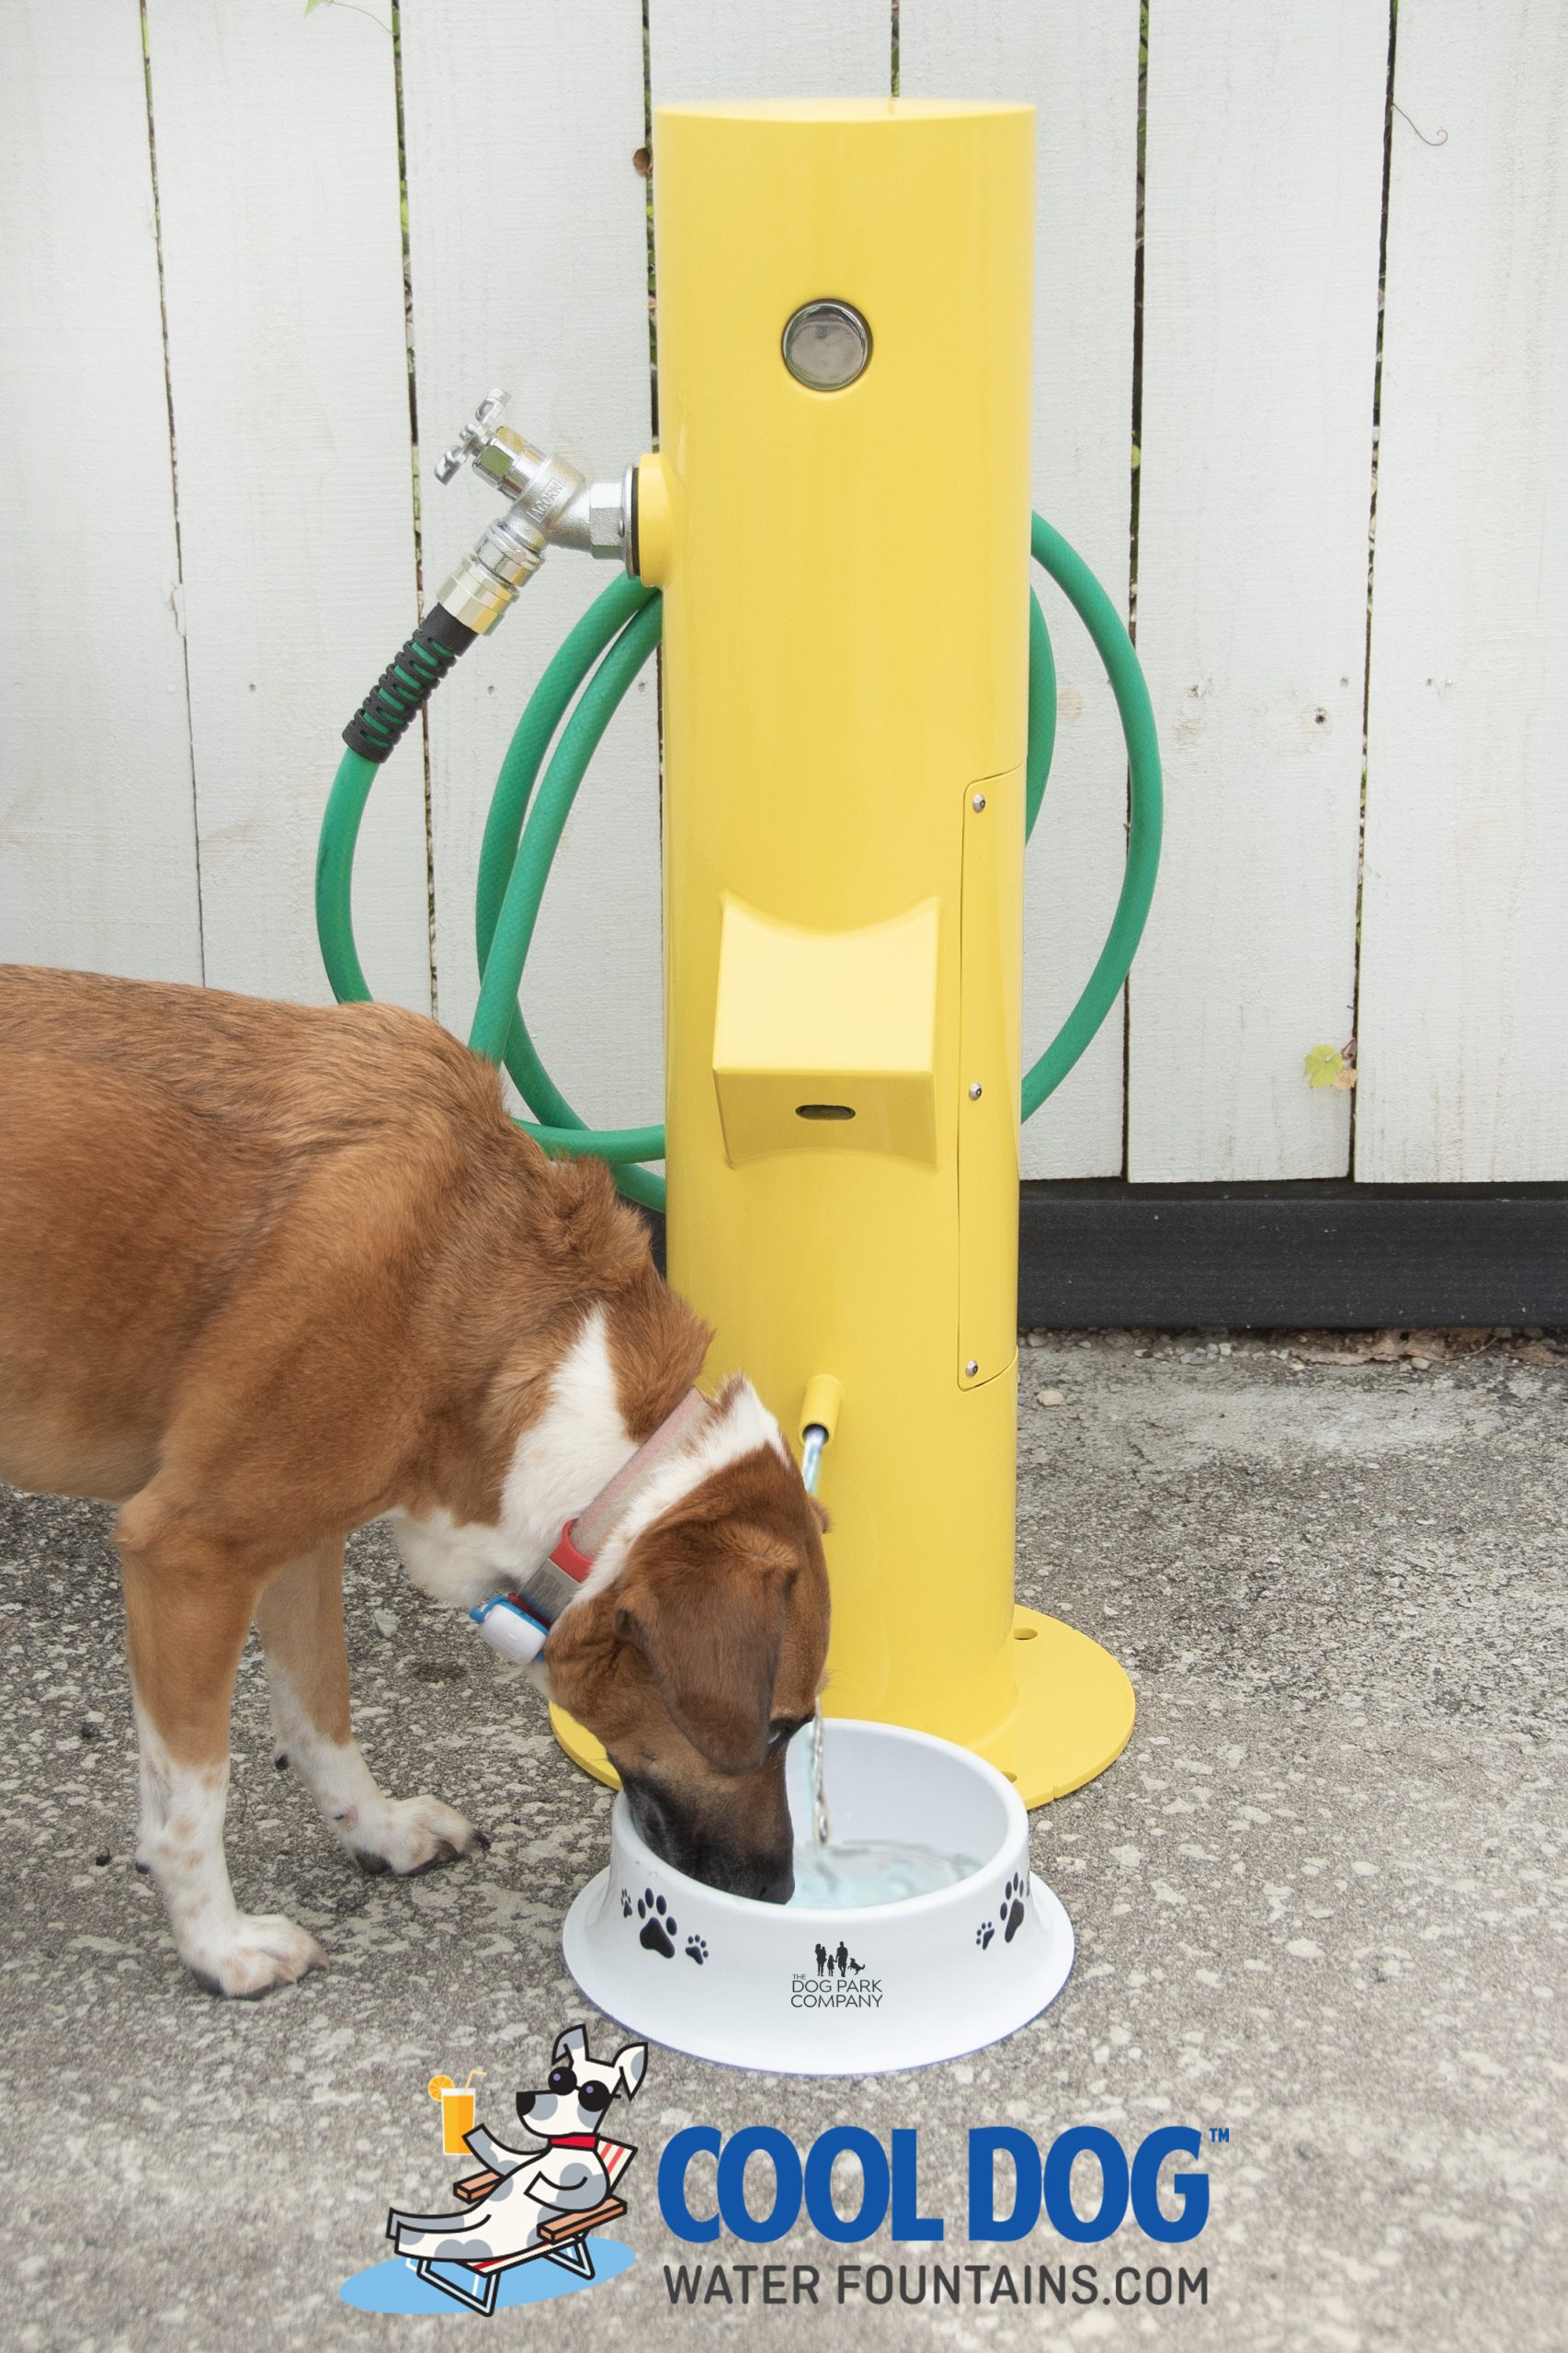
(1323, 1066)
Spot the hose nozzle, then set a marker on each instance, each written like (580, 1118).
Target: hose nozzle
(818, 1419)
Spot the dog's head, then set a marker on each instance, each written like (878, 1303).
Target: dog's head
(705, 1654)
(579, 2090)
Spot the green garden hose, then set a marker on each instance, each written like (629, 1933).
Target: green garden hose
(618, 633)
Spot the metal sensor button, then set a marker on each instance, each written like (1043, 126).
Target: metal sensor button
(826, 346)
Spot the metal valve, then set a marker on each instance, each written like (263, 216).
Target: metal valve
(548, 502)
(551, 504)
(474, 437)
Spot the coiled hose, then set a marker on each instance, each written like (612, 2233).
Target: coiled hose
(616, 634)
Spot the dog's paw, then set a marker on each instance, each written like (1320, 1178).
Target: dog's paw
(406, 1835)
(255, 1952)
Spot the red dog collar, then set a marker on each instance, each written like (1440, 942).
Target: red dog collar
(566, 1555)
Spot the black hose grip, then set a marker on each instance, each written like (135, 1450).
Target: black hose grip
(406, 685)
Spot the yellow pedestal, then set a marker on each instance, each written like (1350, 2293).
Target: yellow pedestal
(846, 586)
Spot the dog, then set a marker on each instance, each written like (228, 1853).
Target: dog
(529, 2188)
(268, 1272)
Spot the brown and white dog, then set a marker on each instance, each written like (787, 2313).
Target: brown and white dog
(268, 1272)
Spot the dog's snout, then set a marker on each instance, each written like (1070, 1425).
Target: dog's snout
(762, 1879)
(754, 1859)
(777, 1884)
(527, 2101)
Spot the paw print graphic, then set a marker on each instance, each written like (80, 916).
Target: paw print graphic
(659, 1930)
(1010, 1918)
(625, 1904)
(984, 1933)
(697, 1949)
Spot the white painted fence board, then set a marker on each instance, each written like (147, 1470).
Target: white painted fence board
(277, 150)
(278, 193)
(97, 835)
(1078, 64)
(1464, 980)
(1262, 207)
(530, 270)
(704, 51)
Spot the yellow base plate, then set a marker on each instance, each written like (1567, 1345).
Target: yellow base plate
(583, 1748)
(1074, 1712)
(1074, 1717)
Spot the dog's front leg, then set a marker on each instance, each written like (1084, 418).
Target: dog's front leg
(187, 1609)
(299, 1619)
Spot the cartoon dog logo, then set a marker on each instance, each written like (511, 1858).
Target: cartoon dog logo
(531, 2204)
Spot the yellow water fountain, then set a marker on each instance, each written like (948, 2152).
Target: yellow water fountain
(832, 541)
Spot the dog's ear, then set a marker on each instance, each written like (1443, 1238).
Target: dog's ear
(572, 2044)
(631, 2065)
(705, 1605)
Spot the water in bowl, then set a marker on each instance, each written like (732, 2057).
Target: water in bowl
(845, 1876)
(848, 1876)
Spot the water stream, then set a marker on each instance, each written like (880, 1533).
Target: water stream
(822, 1821)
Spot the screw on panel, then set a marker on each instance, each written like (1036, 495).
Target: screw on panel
(978, 804)
(976, 1091)
(970, 1369)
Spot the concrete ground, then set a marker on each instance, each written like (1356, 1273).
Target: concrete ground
(1318, 1906)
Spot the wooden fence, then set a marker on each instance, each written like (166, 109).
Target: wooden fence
(1320, 376)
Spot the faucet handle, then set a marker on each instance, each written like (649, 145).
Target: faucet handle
(475, 437)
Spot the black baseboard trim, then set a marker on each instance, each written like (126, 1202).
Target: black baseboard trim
(1320, 1255)
(1330, 1254)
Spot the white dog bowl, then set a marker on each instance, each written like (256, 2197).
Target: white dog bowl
(802, 1991)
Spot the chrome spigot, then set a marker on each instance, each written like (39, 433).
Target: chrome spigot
(550, 503)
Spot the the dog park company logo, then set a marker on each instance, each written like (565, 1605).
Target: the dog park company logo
(837, 1982)
(528, 2225)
